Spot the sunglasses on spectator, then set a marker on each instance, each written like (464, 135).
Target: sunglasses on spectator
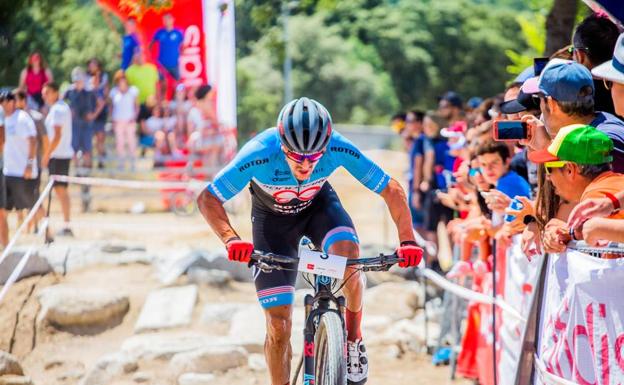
(572, 48)
(549, 166)
(300, 158)
(607, 83)
(475, 171)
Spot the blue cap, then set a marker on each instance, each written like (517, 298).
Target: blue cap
(474, 102)
(524, 75)
(564, 82)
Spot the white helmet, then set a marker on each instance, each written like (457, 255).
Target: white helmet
(304, 126)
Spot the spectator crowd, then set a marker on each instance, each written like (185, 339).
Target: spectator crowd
(542, 164)
(143, 108)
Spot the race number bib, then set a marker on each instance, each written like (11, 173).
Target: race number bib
(315, 262)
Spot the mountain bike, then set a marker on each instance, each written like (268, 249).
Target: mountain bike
(324, 356)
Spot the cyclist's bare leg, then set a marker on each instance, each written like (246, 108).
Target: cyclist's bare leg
(353, 289)
(277, 349)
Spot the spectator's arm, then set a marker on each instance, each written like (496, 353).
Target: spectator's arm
(100, 103)
(32, 153)
(1, 137)
(596, 207)
(49, 75)
(427, 170)
(596, 229)
(556, 236)
(22, 80)
(45, 149)
(418, 172)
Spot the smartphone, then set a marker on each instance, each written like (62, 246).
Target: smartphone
(538, 65)
(505, 130)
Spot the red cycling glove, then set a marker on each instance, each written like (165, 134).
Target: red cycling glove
(411, 254)
(239, 250)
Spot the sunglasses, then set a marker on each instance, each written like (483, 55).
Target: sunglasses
(475, 171)
(549, 166)
(572, 48)
(300, 158)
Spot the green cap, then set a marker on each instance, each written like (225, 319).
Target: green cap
(577, 143)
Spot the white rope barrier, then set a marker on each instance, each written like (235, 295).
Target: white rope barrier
(472, 295)
(192, 184)
(16, 272)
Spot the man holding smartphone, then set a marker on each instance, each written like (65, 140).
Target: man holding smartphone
(566, 93)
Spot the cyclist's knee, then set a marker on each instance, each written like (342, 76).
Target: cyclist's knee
(279, 323)
(345, 248)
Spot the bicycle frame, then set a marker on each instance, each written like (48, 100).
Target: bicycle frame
(315, 306)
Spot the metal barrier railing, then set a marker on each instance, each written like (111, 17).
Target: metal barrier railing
(610, 251)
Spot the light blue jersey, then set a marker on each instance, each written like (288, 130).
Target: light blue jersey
(262, 163)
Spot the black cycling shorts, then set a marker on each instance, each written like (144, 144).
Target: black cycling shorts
(324, 222)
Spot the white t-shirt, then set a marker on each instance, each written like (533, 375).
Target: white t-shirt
(18, 128)
(60, 115)
(154, 124)
(170, 123)
(123, 103)
(196, 119)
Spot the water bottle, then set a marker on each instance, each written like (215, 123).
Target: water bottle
(514, 205)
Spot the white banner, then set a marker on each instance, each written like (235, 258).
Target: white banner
(521, 277)
(582, 320)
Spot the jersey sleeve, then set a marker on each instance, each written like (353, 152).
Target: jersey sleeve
(237, 174)
(347, 155)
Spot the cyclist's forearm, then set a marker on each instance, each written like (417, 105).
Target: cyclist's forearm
(396, 201)
(214, 213)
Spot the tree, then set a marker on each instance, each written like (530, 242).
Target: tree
(560, 24)
(67, 35)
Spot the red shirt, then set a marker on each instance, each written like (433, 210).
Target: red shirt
(35, 81)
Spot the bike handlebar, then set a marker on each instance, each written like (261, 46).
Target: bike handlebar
(271, 261)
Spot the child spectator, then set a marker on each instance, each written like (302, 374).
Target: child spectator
(125, 108)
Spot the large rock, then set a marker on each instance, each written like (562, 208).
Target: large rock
(167, 308)
(221, 312)
(216, 278)
(208, 359)
(397, 300)
(407, 334)
(109, 367)
(9, 364)
(196, 379)
(12, 379)
(73, 254)
(35, 265)
(81, 309)
(173, 266)
(163, 346)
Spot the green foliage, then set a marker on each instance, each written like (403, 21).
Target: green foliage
(326, 67)
(534, 33)
(364, 59)
(67, 35)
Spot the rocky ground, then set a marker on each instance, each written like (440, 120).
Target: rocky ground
(149, 298)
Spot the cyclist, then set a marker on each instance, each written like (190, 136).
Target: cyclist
(287, 167)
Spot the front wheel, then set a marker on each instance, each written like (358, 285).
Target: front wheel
(330, 359)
